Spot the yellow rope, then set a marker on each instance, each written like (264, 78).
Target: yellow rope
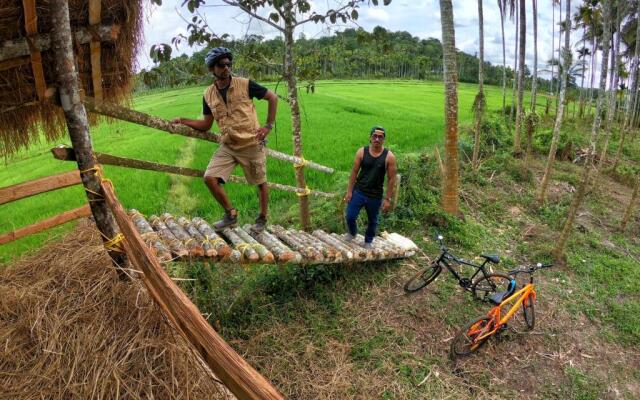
(306, 192)
(303, 162)
(215, 242)
(115, 244)
(186, 243)
(242, 247)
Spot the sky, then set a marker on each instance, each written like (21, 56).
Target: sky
(420, 18)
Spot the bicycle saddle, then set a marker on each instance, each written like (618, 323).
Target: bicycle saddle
(494, 258)
(497, 298)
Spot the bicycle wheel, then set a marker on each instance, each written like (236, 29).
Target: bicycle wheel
(487, 285)
(465, 342)
(423, 278)
(529, 312)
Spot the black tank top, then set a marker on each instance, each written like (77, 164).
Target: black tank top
(370, 180)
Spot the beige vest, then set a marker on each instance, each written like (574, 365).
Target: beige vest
(237, 119)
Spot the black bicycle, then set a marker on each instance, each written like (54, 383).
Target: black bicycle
(486, 284)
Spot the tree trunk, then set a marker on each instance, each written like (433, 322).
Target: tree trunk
(450, 184)
(77, 124)
(521, 50)
(289, 74)
(553, 40)
(594, 57)
(534, 82)
(613, 79)
(504, 59)
(542, 190)
(479, 104)
(589, 162)
(515, 72)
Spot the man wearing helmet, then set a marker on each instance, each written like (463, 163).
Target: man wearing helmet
(366, 182)
(229, 102)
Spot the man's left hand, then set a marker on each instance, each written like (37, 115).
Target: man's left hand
(262, 133)
(386, 206)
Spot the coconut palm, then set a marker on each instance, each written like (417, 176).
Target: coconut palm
(479, 103)
(595, 130)
(534, 83)
(564, 74)
(583, 52)
(521, 53)
(450, 184)
(502, 7)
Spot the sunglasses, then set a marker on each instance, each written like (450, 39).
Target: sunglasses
(222, 65)
(379, 138)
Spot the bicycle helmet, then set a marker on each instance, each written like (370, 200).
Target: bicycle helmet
(217, 53)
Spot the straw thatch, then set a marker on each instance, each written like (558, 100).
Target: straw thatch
(69, 328)
(22, 113)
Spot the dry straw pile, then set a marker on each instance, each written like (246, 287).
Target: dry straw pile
(21, 111)
(69, 328)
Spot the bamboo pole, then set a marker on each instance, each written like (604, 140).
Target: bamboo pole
(193, 231)
(150, 236)
(283, 253)
(236, 374)
(137, 117)
(67, 154)
(37, 186)
(193, 247)
(175, 245)
(307, 253)
(218, 243)
(40, 226)
(266, 256)
(17, 48)
(248, 252)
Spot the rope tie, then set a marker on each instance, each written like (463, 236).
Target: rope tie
(215, 242)
(114, 244)
(302, 163)
(306, 192)
(186, 243)
(242, 247)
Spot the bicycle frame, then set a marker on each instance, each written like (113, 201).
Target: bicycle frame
(442, 260)
(519, 297)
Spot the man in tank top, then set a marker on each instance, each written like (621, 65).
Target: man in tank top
(366, 183)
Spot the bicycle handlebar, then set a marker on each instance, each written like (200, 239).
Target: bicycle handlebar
(530, 270)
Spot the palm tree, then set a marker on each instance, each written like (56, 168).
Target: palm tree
(450, 183)
(534, 83)
(595, 130)
(521, 53)
(502, 6)
(583, 52)
(564, 73)
(480, 103)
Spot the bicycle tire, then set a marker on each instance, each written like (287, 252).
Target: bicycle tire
(423, 278)
(464, 343)
(490, 284)
(529, 312)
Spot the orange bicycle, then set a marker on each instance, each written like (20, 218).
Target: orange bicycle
(478, 331)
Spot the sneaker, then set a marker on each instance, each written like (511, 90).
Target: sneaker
(228, 221)
(261, 223)
(349, 237)
(368, 246)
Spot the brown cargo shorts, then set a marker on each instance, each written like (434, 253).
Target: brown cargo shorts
(252, 159)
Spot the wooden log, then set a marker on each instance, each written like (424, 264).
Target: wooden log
(392, 247)
(136, 117)
(358, 252)
(309, 254)
(280, 250)
(193, 246)
(31, 29)
(265, 255)
(328, 252)
(375, 252)
(174, 244)
(67, 154)
(40, 226)
(234, 372)
(150, 236)
(218, 243)
(66, 78)
(37, 186)
(193, 231)
(95, 8)
(10, 49)
(248, 253)
(325, 237)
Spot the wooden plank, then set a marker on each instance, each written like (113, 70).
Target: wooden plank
(10, 49)
(95, 7)
(237, 375)
(31, 27)
(37, 186)
(139, 118)
(14, 62)
(68, 154)
(40, 226)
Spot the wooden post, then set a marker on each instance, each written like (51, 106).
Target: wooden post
(31, 28)
(77, 124)
(95, 7)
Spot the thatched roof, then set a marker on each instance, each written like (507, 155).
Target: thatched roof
(26, 63)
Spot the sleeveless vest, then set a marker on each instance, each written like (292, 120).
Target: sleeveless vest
(237, 119)
(370, 180)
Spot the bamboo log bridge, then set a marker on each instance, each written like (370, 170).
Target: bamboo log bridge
(171, 238)
(140, 118)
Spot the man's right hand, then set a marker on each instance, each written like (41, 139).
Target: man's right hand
(347, 197)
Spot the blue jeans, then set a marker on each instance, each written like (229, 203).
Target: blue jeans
(372, 206)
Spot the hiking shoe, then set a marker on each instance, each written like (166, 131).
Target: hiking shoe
(349, 237)
(261, 223)
(228, 221)
(368, 246)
